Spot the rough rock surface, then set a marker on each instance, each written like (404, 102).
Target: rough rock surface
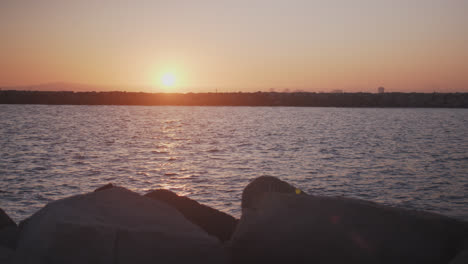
(114, 226)
(5, 220)
(8, 231)
(255, 190)
(214, 222)
(283, 227)
(6, 255)
(9, 236)
(461, 257)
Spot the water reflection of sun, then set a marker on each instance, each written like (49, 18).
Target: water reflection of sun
(178, 188)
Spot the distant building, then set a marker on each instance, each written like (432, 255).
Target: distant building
(337, 91)
(381, 90)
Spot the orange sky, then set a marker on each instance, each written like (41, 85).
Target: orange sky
(420, 46)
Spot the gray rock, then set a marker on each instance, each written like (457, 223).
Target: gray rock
(8, 231)
(9, 236)
(283, 227)
(255, 190)
(6, 254)
(114, 226)
(5, 220)
(462, 255)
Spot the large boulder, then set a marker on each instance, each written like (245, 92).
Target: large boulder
(283, 227)
(8, 231)
(462, 256)
(114, 225)
(255, 190)
(5, 220)
(6, 255)
(214, 222)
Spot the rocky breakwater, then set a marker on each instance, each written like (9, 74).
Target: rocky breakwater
(281, 224)
(8, 236)
(114, 225)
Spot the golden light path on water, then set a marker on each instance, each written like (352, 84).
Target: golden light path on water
(210, 154)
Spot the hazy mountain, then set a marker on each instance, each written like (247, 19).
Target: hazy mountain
(77, 87)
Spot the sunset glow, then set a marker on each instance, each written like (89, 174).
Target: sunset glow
(405, 46)
(168, 80)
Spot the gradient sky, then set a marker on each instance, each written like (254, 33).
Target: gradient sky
(410, 46)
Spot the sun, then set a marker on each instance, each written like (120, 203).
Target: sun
(168, 79)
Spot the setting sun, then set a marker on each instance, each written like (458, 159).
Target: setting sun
(168, 80)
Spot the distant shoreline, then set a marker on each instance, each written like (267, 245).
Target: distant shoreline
(304, 99)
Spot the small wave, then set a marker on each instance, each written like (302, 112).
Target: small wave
(109, 179)
(42, 198)
(202, 180)
(159, 152)
(451, 197)
(187, 177)
(109, 142)
(79, 156)
(170, 174)
(171, 121)
(213, 150)
(459, 159)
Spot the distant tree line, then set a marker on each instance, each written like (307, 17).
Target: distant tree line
(448, 100)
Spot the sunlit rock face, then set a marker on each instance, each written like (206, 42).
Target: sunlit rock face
(284, 227)
(214, 222)
(114, 225)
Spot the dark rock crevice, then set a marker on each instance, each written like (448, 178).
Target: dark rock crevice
(214, 222)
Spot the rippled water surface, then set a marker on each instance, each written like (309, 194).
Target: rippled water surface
(413, 158)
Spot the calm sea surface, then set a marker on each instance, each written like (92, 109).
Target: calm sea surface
(412, 158)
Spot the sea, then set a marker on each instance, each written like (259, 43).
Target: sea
(406, 157)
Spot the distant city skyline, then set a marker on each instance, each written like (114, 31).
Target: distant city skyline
(229, 46)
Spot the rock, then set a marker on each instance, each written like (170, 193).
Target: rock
(6, 254)
(22, 223)
(5, 220)
(255, 190)
(8, 231)
(114, 226)
(461, 257)
(288, 228)
(105, 187)
(214, 222)
(9, 236)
